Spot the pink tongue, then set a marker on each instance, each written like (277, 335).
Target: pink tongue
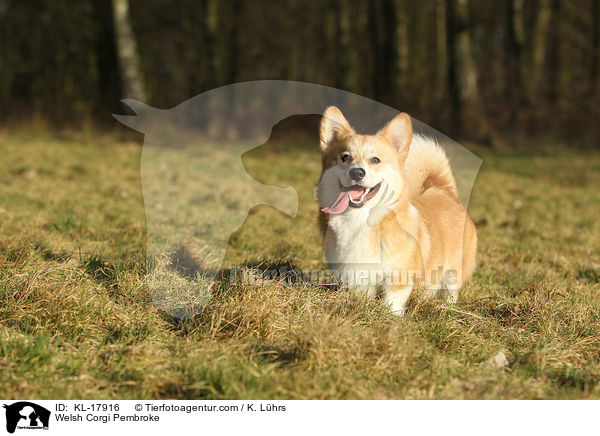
(343, 199)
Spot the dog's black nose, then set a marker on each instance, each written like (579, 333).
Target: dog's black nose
(357, 174)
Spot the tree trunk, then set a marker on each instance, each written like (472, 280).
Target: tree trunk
(339, 53)
(375, 30)
(233, 41)
(515, 37)
(402, 49)
(554, 53)
(467, 110)
(209, 35)
(595, 45)
(352, 61)
(538, 52)
(132, 81)
(441, 52)
(382, 31)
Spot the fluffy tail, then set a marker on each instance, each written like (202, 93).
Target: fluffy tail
(427, 165)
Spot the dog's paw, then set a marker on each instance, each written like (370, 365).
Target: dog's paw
(398, 312)
(451, 296)
(397, 299)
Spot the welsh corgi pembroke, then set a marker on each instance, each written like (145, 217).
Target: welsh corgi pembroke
(390, 213)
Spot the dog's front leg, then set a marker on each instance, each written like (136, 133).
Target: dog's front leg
(397, 298)
(363, 291)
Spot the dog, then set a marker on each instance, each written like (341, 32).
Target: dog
(390, 213)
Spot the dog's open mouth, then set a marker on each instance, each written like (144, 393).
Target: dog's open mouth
(351, 196)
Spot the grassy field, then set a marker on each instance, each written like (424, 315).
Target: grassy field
(77, 320)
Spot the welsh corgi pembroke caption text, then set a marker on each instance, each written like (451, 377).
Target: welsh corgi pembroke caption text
(390, 213)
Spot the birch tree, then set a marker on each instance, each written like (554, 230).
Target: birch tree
(132, 81)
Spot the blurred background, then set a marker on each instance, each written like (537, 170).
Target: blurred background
(488, 71)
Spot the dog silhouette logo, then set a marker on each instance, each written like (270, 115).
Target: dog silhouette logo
(26, 415)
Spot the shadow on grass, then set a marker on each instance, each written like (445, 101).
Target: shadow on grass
(106, 273)
(183, 261)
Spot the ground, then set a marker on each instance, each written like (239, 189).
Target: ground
(77, 321)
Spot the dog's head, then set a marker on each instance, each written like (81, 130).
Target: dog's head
(358, 168)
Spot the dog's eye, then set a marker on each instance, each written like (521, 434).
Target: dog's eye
(375, 160)
(346, 158)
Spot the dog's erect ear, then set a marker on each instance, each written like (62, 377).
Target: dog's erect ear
(333, 127)
(398, 133)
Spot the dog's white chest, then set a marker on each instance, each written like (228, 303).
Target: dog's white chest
(349, 240)
(352, 253)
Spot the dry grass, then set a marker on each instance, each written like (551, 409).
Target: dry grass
(77, 321)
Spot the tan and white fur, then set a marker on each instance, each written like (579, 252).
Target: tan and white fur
(404, 225)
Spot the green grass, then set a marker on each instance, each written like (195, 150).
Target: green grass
(77, 320)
